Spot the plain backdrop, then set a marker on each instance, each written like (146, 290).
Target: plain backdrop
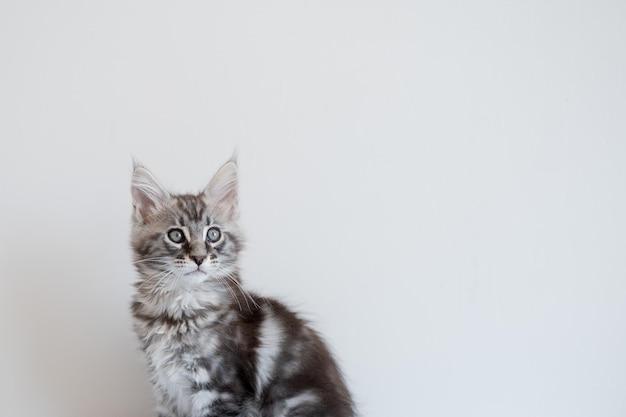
(440, 186)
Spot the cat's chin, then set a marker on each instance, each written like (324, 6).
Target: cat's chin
(196, 276)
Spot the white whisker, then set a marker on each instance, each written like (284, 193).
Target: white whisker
(161, 278)
(246, 294)
(231, 293)
(160, 259)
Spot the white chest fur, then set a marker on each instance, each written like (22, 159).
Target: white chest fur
(173, 354)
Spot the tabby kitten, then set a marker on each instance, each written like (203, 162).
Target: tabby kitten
(214, 349)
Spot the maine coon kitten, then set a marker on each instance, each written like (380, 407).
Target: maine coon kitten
(214, 349)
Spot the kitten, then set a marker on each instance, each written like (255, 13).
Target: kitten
(214, 349)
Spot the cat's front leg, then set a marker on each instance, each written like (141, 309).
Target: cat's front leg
(164, 407)
(163, 412)
(213, 403)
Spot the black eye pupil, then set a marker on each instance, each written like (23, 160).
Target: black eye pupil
(175, 235)
(213, 234)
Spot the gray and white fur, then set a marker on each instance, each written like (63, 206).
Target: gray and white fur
(214, 349)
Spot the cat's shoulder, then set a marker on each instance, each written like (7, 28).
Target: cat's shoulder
(261, 308)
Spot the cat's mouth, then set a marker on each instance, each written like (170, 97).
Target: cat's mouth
(196, 275)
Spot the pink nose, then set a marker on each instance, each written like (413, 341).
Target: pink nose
(198, 259)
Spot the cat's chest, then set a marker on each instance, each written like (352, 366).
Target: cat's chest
(182, 360)
(181, 350)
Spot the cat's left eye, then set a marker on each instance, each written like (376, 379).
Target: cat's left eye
(213, 234)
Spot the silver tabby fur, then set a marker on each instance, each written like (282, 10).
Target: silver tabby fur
(213, 349)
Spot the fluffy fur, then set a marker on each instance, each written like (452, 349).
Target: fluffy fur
(214, 349)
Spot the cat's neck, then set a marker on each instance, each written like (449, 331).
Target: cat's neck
(183, 301)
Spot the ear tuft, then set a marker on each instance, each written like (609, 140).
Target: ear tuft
(222, 191)
(148, 195)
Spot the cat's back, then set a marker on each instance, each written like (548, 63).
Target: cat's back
(292, 366)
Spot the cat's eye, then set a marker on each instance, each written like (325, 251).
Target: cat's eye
(176, 235)
(213, 234)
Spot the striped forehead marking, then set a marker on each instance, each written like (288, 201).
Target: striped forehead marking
(191, 207)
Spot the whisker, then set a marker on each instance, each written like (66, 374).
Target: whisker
(161, 277)
(244, 292)
(164, 277)
(232, 293)
(157, 260)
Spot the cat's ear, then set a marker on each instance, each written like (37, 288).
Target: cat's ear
(222, 191)
(148, 195)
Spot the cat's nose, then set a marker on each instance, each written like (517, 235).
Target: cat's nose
(198, 259)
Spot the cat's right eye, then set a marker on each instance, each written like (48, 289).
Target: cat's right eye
(176, 235)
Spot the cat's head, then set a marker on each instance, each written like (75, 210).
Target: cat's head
(182, 240)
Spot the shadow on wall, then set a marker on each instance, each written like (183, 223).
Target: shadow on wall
(76, 348)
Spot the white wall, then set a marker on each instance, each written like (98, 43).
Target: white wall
(440, 186)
